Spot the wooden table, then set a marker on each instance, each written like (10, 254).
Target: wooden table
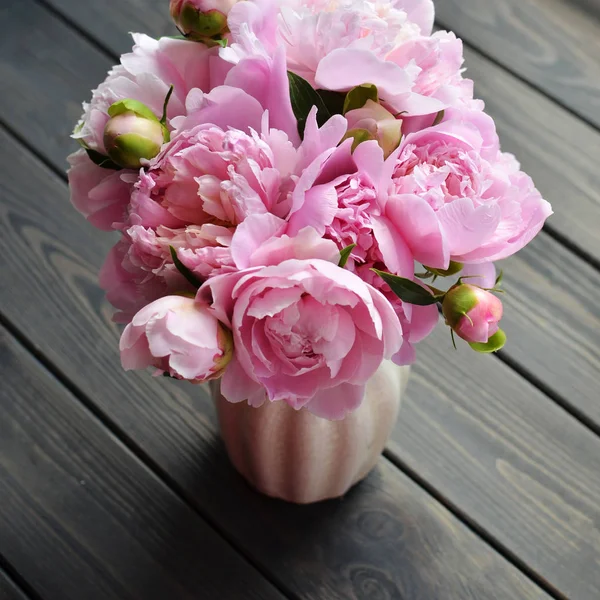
(115, 485)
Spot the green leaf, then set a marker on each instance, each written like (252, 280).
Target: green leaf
(453, 269)
(131, 105)
(303, 98)
(357, 97)
(438, 118)
(407, 290)
(183, 269)
(334, 101)
(499, 278)
(101, 160)
(495, 343)
(345, 255)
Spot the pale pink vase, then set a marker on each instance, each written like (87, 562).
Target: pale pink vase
(298, 457)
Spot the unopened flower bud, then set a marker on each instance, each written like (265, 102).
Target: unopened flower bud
(201, 19)
(180, 338)
(473, 314)
(380, 123)
(132, 135)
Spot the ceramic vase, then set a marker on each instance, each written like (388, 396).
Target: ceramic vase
(298, 457)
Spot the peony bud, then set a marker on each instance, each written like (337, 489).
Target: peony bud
(180, 337)
(378, 122)
(133, 133)
(473, 314)
(201, 19)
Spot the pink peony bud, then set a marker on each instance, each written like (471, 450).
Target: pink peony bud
(473, 314)
(381, 124)
(178, 336)
(201, 19)
(133, 133)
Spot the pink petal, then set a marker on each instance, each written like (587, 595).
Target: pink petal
(465, 226)
(251, 234)
(418, 224)
(345, 68)
(335, 403)
(236, 384)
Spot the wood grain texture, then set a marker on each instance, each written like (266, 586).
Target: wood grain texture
(8, 589)
(509, 458)
(45, 81)
(554, 44)
(174, 425)
(180, 413)
(537, 344)
(556, 148)
(547, 139)
(387, 538)
(82, 518)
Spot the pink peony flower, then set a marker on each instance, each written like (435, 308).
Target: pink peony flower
(458, 198)
(472, 313)
(145, 75)
(339, 45)
(306, 332)
(340, 195)
(100, 195)
(179, 337)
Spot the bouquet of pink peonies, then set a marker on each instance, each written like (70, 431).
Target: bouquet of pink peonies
(289, 179)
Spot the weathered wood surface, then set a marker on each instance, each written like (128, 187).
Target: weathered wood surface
(544, 136)
(553, 44)
(174, 425)
(83, 518)
(8, 589)
(516, 464)
(509, 458)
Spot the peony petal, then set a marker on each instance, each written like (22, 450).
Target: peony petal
(344, 68)
(418, 225)
(335, 403)
(236, 384)
(251, 234)
(482, 274)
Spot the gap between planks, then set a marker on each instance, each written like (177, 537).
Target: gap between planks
(18, 586)
(184, 497)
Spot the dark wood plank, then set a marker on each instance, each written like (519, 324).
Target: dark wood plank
(509, 458)
(111, 21)
(387, 535)
(83, 287)
(8, 589)
(556, 148)
(568, 366)
(553, 322)
(554, 44)
(82, 518)
(542, 134)
(47, 80)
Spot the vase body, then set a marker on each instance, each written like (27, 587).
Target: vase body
(295, 456)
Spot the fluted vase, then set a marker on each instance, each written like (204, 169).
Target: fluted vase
(298, 457)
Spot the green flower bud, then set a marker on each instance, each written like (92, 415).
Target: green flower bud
(473, 314)
(201, 20)
(130, 137)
